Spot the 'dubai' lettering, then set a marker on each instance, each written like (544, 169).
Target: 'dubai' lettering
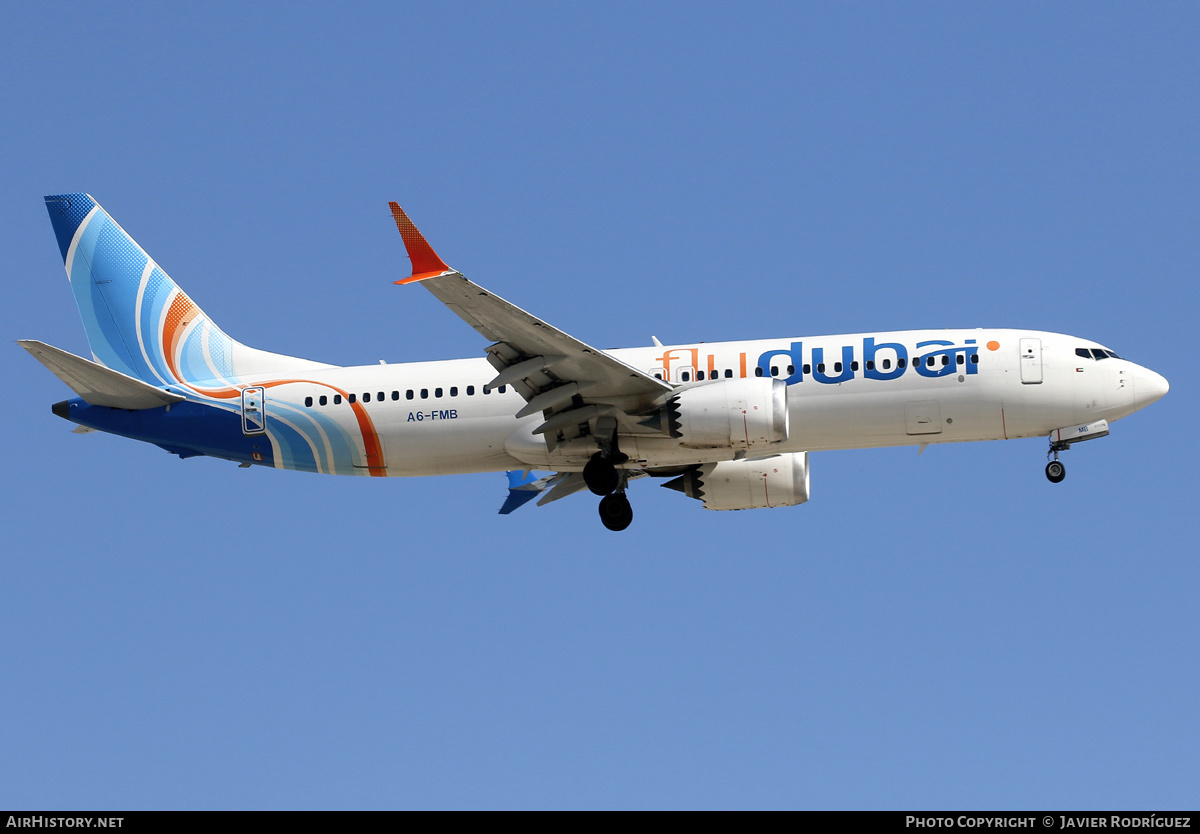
(847, 366)
(881, 361)
(795, 358)
(885, 360)
(944, 362)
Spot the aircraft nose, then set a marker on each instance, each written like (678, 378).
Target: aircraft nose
(1148, 386)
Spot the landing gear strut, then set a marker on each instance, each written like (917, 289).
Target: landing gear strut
(1055, 470)
(615, 512)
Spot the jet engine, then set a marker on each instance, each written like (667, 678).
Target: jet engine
(775, 481)
(730, 413)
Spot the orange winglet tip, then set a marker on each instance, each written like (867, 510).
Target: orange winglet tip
(421, 276)
(425, 262)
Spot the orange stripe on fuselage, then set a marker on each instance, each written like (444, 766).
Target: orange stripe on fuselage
(372, 447)
(182, 311)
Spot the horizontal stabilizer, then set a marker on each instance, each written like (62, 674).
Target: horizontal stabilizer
(96, 384)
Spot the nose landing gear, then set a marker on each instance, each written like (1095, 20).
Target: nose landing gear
(1055, 472)
(1055, 469)
(1061, 440)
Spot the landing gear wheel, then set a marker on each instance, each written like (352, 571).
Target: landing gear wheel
(615, 512)
(1055, 472)
(601, 476)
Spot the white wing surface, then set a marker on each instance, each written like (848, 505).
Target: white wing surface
(570, 382)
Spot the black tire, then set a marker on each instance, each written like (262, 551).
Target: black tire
(615, 512)
(1055, 472)
(601, 476)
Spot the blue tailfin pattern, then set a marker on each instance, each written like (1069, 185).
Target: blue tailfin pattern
(138, 321)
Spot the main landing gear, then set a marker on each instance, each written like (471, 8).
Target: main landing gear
(615, 512)
(600, 475)
(603, 478)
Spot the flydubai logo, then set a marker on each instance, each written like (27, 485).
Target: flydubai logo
(870, 360)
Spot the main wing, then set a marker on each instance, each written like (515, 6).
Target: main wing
(570, 382)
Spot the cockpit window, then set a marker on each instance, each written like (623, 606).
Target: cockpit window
(1113, 355)
(1084, 352)
(1099, 354)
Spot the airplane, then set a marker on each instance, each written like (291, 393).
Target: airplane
(728, 423)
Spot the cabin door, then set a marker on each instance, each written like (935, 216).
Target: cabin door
(1031, 361)
(254, 417)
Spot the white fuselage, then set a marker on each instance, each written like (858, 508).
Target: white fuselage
(435, 417)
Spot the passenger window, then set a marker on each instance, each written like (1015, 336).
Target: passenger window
(424, 393)
(486, 390)
(366, 397)
(758, 371)
(929, 361)
(408, 395)
(437, 392)
(837, 367)
(502, 388)
(685, 376)
(887, 364)
(323, 400)
(700, 376)
(350, 399)
(337, 399)
(774, 370)
(470, 390)
(854, 365)
(395, 395)
(959, 359)
(974, 359)
(729, 373)
(658, 376)
(308, 402)
(379, 396)
(807, 369)
(870, 364)
(945, 360)
(900, 363)
(821, 368)
(453, 391)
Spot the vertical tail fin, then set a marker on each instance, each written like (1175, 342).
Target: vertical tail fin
(138, 321)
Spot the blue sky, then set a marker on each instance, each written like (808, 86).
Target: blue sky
(942, 631)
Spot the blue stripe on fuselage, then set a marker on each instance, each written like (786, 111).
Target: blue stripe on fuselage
(186, 426)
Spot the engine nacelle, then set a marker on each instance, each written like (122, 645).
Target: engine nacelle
(775, 481)
(728, 414)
